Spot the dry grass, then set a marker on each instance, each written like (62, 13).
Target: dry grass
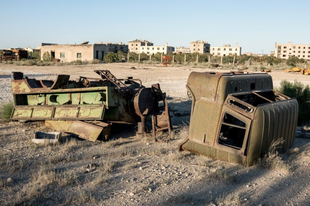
(232, 199)
(273, 160)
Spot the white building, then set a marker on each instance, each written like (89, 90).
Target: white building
(182, 49)
(226, 50)
(284, 51)
(144, 46)
(199, 47)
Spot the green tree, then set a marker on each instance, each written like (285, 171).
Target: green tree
(121, 56)
(157, 57)
(36, 55)
(143, 57)
(110, 57)
(293, 61)
(47, 57)
(133, 57)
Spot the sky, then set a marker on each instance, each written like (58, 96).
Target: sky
(254, 25)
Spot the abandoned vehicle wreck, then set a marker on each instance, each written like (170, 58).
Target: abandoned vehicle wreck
(236, 117)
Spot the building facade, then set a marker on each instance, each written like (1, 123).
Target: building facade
(226, 50)
(144, 46)
(83, 52)
(183, 50)
(284, 51)
(199, 47)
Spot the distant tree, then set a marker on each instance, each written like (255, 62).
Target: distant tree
(133, 57)
(157, 57)
(121, 56)
(243, 58)
(293, 61)
(110, 57)
(228, 59)
(47, 57)
(179, 58)
(203, 57)
(1, 52)
(143, 56)
(36, 55)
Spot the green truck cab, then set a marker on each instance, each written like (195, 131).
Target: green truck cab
(236, 116)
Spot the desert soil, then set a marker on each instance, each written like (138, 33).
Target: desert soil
(132, 169)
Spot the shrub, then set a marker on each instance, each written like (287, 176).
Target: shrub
(302, 94)
(47, 57)
(95, 61)
(6, 111)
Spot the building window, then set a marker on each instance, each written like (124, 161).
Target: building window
(284, 47)
(78, 55)
(62, 55)
(230, 49)
(219, 49)
(157, 48)
(236, 49)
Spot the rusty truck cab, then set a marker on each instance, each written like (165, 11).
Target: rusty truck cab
(236, 116)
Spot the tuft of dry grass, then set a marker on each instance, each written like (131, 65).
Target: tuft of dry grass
(232, 199)
(273, 160)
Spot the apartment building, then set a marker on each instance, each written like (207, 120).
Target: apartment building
(226, 50)
(183, 50)
(284, 51)
(199, 47)
(135, 45)
(144, 46)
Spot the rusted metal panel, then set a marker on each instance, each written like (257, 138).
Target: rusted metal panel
(102, 99)
(85, 130)
(235, 117)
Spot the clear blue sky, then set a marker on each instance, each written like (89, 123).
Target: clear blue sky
(255, 25)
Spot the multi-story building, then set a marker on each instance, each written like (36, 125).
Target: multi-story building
(199, 47)
(226, 50)
(284, 51)
(183, 50)
(110, 47)
(144, 46)
(135, 45)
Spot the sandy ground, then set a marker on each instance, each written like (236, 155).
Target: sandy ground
(132, 169)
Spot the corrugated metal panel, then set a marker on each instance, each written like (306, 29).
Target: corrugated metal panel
(272, 122)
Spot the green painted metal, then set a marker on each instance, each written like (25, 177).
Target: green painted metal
(235, 116)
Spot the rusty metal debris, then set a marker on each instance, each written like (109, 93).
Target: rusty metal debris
(88, 106)
(237, 116)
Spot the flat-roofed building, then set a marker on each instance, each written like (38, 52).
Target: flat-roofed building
(183, 50)
(284, 51)
(226, 50)
(200, 47)
(144, 46)
(135, 45)
(83, 52)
